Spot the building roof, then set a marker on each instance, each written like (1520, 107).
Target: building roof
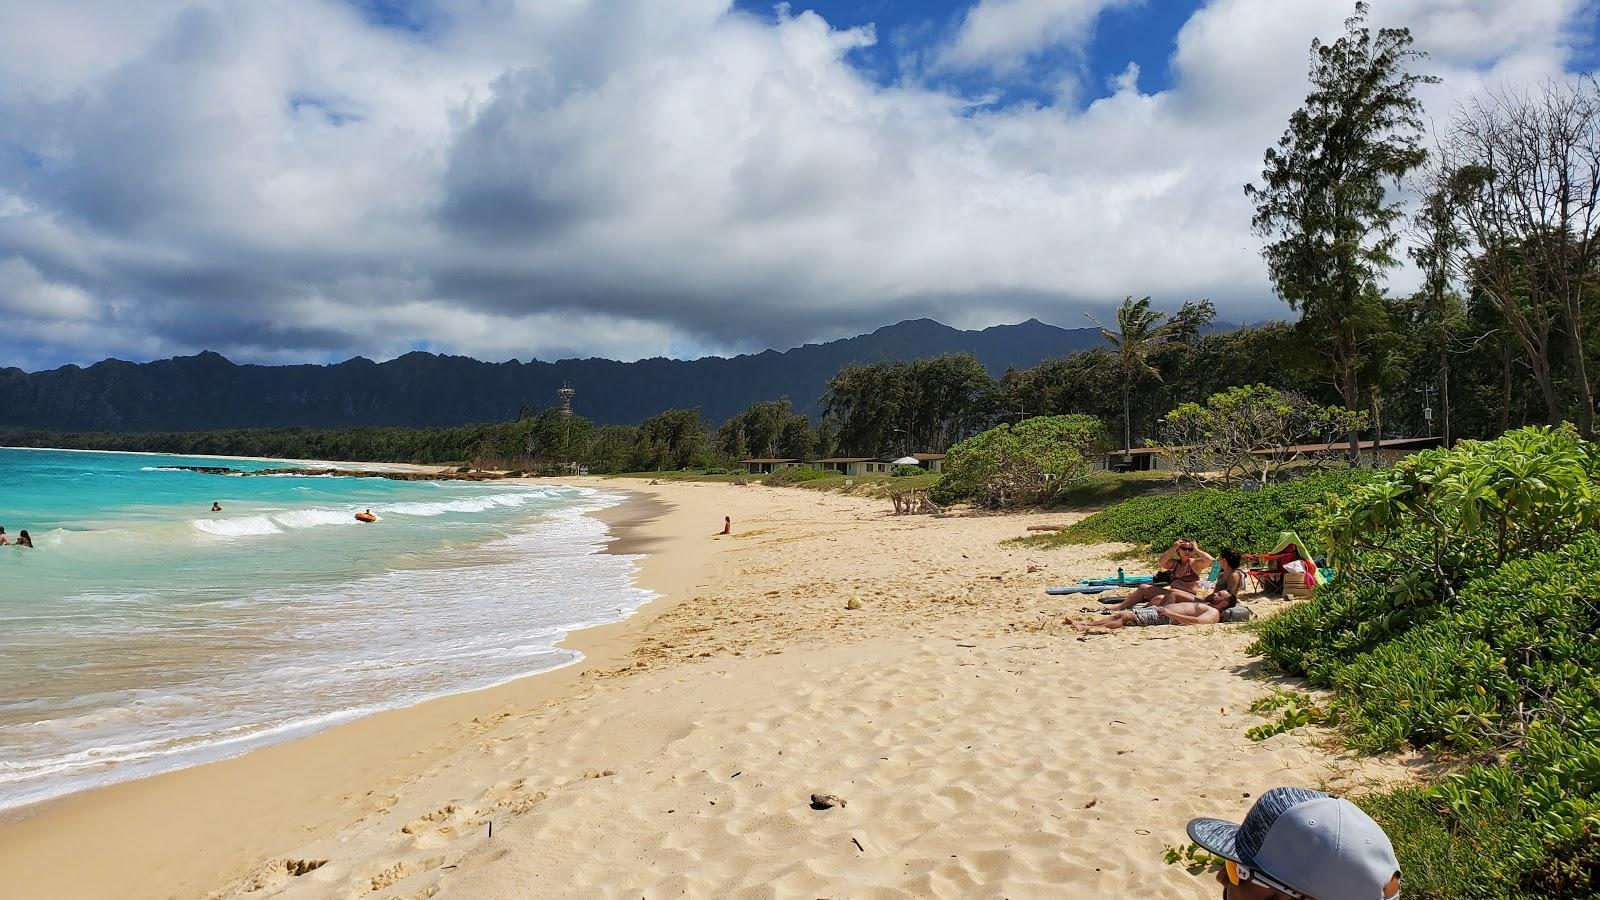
(928, 457)
(848, 459)
(760, 461)
(1143, 451)
(1410, 443)
(1414, 443)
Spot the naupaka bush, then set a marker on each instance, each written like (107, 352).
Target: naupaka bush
(1465, 617)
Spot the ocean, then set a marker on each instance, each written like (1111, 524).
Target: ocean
(145, 633)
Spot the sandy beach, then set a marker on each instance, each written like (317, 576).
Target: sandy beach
(981, 748)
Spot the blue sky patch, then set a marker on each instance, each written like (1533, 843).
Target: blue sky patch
(910, 32)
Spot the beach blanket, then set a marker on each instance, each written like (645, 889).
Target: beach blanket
(1079, 589)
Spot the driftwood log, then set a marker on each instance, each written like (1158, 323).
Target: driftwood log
(908, 503)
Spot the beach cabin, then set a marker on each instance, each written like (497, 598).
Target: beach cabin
(933, 462)
(1139, 459)
(854, 466)
(767, 466)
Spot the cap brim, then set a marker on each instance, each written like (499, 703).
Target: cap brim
(1216, 836)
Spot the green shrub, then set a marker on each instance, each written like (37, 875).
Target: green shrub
(1024, 463)
(795, 475)
(1215, 517)
(904, 471)
(1465, 618)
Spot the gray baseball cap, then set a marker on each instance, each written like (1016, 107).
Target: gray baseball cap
(1307, 844)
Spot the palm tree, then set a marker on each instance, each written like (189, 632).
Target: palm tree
(1140, 330)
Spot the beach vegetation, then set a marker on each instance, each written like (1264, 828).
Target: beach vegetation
(1212, 517)
(1026, 463)
(1245, 434)
(1463, 620)
(795, 475)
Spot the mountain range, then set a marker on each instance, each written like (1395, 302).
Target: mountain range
(207, 391)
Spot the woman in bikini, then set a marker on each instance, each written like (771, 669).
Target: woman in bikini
(1187, 563)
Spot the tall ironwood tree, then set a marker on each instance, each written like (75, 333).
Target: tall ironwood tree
(1323, 206)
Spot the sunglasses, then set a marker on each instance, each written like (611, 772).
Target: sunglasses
(1238, 875)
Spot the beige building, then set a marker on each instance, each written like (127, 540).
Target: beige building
(846, 465)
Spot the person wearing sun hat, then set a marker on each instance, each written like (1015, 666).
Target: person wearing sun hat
(1302, 844)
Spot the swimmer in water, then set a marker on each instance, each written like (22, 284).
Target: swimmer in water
(215, 506)
(23, 540)
(3, 540)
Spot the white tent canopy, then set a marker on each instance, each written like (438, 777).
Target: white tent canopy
(907, 461)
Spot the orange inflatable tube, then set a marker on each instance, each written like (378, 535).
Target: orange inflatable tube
(366, 517)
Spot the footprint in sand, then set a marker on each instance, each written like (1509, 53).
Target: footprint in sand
(423, 823)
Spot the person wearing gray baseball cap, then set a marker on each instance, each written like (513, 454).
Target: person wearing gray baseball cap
(1302, 844)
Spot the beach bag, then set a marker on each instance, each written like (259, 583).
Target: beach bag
(1237, 614)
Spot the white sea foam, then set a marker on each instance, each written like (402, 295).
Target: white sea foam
(286, 659)
(314, 517)
(467, 505)
(240, 526)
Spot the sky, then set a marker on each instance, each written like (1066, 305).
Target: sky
(309, 180)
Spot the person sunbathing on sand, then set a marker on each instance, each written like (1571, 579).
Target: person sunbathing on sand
(1187, 563)
(1177, 612)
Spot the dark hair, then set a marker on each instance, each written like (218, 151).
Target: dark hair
(1231, 556)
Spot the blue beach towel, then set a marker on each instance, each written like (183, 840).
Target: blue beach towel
(1080, 589)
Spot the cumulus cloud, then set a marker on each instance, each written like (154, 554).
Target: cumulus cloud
(630, 177)
(1002, 34)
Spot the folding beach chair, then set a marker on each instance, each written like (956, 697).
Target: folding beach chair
(1271, 570)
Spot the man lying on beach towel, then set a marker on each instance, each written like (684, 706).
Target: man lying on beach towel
(1194, 612)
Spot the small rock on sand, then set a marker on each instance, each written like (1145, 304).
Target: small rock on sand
(853, 603)
(826, 801)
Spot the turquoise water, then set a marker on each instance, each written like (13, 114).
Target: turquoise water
(144, 632)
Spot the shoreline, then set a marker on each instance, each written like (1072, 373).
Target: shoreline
(53, 829)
